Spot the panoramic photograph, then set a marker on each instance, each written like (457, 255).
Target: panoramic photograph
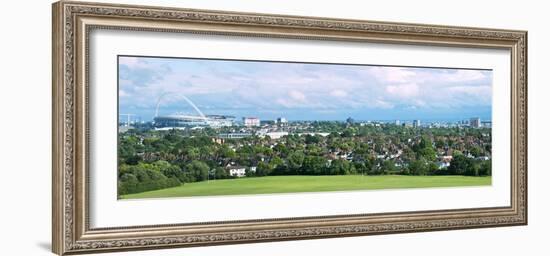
(213, 127)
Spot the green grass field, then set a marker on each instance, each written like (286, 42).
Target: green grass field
(292, 184)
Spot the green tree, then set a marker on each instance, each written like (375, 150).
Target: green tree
(263, 169)
(127, 184)
(485, 169)
(461, 165)
(425, 149)
(281, 149)
(276, 161)
(433, 169)
(314, 165)
(143, 177)
(428, 153)
(169, 170)
(439, 143)
(476, 151)
(220, 173)
(295, 160)
(347, 133)
(388, 166)
(192, 153)
(419, 167)
(341, 167)
(226, 152)
(361, 168)
(311, 139)
(197, 170)
(425, 142)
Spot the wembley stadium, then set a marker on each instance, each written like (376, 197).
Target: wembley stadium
(180, 120)
(185, 120)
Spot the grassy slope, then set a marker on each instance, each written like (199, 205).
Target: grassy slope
(288, 184)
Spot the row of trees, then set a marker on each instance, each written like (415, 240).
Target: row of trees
(150, 160)
(144, 177)
(161, 174)
(315, 165)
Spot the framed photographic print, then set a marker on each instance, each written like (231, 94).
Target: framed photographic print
(179, 127)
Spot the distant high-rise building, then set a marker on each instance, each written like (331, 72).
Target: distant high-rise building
(251, 121)
(475, 122)
(397, 122)
(350, 120)
(282, 120)
(416, 123)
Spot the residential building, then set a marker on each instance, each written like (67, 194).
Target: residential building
(236, 135)
(276, 135)
(251, 121)
(236, 171)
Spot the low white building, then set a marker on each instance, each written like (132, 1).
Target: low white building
(273, 135)
(251, 121)
(236, 171)
(276, 135)
(322, 134)
(442, 165)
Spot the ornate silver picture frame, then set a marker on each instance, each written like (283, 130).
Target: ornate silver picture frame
(74, 21)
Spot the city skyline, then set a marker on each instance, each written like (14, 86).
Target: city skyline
(301, 91)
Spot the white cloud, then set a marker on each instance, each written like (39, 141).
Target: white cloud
(133, 62)
(128, 61)
(379, 103)
(269, 86)
(393, 74)
(122, 93)
(463, 76)
(419, 103)
(293, 99)
(403, 90)
(472, 90)
(339, 93)
(297, 96)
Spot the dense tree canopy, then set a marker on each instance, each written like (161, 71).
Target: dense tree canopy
(150, 159)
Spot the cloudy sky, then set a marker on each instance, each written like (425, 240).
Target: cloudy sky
(301, 91)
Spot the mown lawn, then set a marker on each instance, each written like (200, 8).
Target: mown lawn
(291, 184)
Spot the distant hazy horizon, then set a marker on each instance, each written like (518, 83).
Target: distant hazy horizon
(301, 91)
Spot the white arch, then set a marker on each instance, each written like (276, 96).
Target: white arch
(158, 104)
(186, 100)
(194, 106)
